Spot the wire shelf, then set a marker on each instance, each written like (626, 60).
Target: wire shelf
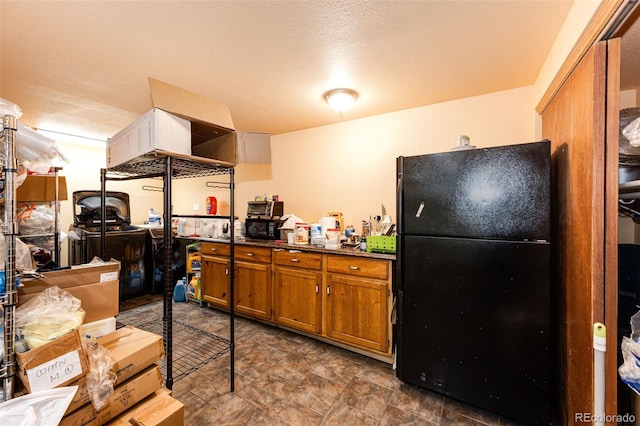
(154, 164)
(192, 347)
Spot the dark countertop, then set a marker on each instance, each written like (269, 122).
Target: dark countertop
(344, 251)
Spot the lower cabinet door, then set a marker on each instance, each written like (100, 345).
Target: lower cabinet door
(252, 283)
(298, 302)
(357, 312)
(215, 281)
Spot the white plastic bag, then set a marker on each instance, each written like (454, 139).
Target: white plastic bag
(38, 408)
(632, 132)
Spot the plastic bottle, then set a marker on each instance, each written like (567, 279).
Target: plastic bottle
(193, 290)
(154, 217)
(180, 291)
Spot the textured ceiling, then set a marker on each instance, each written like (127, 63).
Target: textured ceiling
(81, 66)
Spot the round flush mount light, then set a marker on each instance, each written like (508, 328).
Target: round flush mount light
(340, 100)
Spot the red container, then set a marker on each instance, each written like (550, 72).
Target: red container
(212, 205)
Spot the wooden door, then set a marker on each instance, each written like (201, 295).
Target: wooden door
(215, 280)
(253, 289)
(356, 311)
(297, 298)
(585, 228)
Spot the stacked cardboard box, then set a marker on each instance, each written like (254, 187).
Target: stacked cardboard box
(135, 354)
(95, 285)
(57, 363)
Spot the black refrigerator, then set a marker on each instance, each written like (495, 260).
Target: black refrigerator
(473, 279)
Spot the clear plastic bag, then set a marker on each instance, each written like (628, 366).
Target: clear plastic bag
(49, 315)
(22, 255)
(630, 369)
(101, 377)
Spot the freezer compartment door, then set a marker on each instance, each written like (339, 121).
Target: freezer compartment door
(495, 193)
(475, 323)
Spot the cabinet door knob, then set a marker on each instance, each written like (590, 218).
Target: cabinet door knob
(317, 288)
(278, 249)
(249, 254)
(354, 268)
(294, 260)
(328, 290)
(213, 249)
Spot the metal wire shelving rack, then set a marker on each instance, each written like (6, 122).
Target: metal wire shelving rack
(168, 166)
(10, 229)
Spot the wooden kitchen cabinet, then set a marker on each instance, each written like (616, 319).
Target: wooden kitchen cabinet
(297, 284)
(215, 274)
(358, 302)
(253, 281)
(339, 298)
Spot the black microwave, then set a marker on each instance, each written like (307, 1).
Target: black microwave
(261, 228)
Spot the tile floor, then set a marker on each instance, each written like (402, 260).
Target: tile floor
(282, 378)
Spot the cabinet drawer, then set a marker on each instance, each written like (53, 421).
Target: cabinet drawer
(215, 249)
(298, 259)
(358, 266)
(253, 254)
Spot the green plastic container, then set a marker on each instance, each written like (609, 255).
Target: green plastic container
(381, 244)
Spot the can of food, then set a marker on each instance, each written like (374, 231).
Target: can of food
(302, 233)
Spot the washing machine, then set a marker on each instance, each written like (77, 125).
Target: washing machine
(124, 242)
(155, 267)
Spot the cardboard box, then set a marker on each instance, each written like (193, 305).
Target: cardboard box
(209, 121)
(124, 397)
(132, 350)
(42, 188)
(155, 130)
(250, 147)
(98, 328)
(97, 287)
(54, 364)
(159, 409)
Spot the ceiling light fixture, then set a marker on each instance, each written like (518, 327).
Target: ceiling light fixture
(340, 100)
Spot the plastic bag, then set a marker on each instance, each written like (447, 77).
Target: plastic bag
(100, 378)
(45, 407)
(49, 315)
(35, 219)
(630, 369)
(9, 108)
(22, 255)
(632, 132)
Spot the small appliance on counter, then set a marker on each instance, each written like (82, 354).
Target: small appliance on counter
(263, 219)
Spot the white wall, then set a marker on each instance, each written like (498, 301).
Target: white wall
(578, 18)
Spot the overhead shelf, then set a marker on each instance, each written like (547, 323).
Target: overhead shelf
(154, 164)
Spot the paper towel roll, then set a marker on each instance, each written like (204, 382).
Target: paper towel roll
(327, 223)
